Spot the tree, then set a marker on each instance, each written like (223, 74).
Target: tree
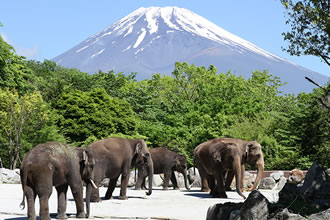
(19, 116)
(94, 113)
(310, 28)
(13, 71)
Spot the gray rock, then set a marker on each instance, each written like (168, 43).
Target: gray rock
(249, 179)
(280, 184)
(10, 176)
(193, 177)
(255, 207)
(267, 183)
(321, 215)
(328, 172)
(296, 176)
(277, 175)
(223, 211)
(179, 179)
(285, 214)
(235, 215)
(314, 180)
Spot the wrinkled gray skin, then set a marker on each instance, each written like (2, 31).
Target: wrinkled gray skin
(213, 160)
(115, 157)
(249, 152)
(166, 162)
(60, 165)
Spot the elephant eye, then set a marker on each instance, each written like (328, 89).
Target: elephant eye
(147, 155)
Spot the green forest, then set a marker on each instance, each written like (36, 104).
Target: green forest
(41, 101)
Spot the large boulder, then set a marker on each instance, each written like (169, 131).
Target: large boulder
(296, 176)
(320, 216)
(310, 198)
(255, 207)
(277, 175)
(193, 177)
(227, 210)
(285, 214)
(280, 184)
(267, 183)
(9, 176)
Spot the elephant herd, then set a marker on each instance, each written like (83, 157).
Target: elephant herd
(61, 165)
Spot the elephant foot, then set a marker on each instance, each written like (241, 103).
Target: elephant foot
(61, 216)
(96, 199)
(165, 188)
(123, 197)
(205, 190)
(223, 195)
(138, 188)
(176, 188)
(81, 215)
(44, 217)
(228, 189)
(32, 217)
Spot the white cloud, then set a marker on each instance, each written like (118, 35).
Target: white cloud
(29, 53)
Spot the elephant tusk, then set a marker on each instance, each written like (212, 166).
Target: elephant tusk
(93, 184)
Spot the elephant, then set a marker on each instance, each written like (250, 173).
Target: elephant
(250, 153)
(166, 162)
(114, 157)
(213, 159)
(60, 165)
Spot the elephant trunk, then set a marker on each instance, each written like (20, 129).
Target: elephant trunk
(237, 173)
(259, 173)
(88, 197)
(150, 176)
(186, 180)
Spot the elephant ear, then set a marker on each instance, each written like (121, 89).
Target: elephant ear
(217, 156)
(84, 157)
(138, 148)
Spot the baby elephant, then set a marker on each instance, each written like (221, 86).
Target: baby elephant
(166, 162)
(60, 165)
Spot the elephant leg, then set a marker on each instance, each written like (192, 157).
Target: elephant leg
(61, 201)
(111, 188)
(140, 183)
(213, 186)
(43, 189)
(173, 180)
(204, 179)
(143, 185)
(30, 198)
(229, 180)
(220, 184)
(77, 192)
(167, 176)
(123, 186)
(210, 182)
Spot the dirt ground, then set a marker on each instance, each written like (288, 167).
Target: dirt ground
(171, 204)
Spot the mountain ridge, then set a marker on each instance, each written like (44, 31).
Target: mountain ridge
(151, 40)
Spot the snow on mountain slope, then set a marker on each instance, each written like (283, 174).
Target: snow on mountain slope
(151, 40)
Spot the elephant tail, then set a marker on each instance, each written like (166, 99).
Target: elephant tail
(24, 174)
(194, 165)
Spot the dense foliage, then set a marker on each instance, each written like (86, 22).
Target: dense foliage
(40, 101)
(310, 28)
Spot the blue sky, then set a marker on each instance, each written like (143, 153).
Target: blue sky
(43, 29)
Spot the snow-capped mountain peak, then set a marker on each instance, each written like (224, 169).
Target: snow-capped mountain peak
(151, 40)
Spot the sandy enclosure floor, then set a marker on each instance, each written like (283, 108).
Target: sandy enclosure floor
(171, 204)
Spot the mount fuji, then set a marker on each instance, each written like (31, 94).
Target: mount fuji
(151, 40)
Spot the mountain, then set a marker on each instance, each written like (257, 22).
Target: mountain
(151, 40)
